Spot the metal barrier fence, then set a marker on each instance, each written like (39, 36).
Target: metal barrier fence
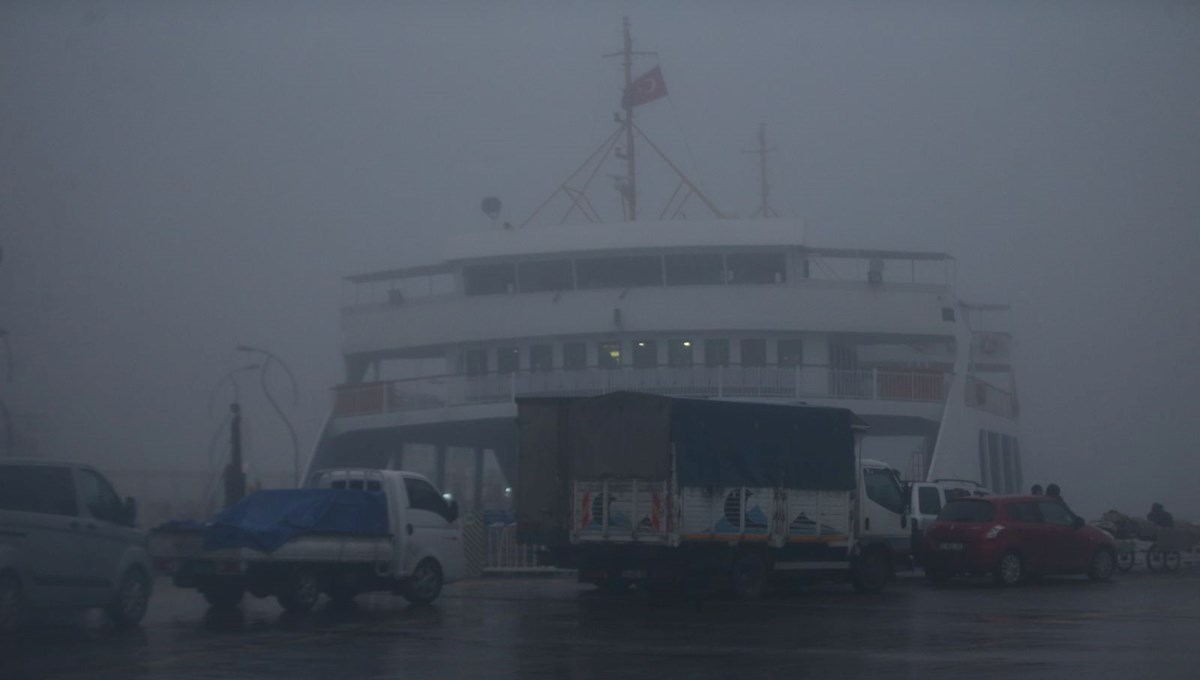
(503, 551)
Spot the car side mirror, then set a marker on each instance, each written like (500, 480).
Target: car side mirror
(453, 511)
(129, 511)
(1077, 522)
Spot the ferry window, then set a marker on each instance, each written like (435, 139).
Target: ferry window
(475, 361)
(619, 272)
(791, 352)
(1016, 447)
(609, 355)
(756, 268)
(694, 269)
(489, 279)
(541, 358)
(1010, 482)
(546, 275)
(997, 463)
(754, 352)
(645, 354)
(679, 352)
(716, 352)
(984, 475)
(574, 356)
(508, 360)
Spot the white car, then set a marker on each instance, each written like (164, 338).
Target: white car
(68, 541)
(926, 500)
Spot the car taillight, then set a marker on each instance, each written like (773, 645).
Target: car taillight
(995, 531)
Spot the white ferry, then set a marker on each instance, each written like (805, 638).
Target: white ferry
(718, 308)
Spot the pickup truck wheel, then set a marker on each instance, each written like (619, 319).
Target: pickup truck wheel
(749, 577)
(871, 571)
(12, 603)
(1009, 570)
(301, 592)
(1102, 566)
(133, 596)
(425, 584)
(223, 595)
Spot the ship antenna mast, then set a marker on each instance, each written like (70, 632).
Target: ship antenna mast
(629, 191)
(764, 210)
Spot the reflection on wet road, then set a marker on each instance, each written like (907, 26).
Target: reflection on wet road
(1139, 626)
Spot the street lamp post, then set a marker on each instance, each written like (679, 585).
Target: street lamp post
(262, 379)
(234, 476)
(9, 436)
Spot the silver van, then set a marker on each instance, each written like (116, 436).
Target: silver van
(68, 541)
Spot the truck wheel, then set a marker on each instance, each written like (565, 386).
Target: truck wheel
(1009, 570)
(133, 596)
(871, 571)
(425, 583)
(12, 603)
(1154, 560)
(749, 577)
(301, 592)
(1102, 566)
(1171, 561)
(223, 595)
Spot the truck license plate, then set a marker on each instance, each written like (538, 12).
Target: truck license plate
(950, 546)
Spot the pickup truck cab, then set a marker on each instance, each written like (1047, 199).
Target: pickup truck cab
(412, 551)
(68, 541)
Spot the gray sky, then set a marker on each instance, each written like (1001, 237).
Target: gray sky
(180, 177)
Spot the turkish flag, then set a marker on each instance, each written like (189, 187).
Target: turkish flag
(645, 89)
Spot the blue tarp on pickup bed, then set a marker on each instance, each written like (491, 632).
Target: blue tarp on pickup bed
(265, 520)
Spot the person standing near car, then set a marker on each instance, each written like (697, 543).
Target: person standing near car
(1036, 490)
(1053, 491)
(1160, 517)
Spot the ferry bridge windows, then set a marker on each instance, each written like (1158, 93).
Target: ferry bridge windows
(489, 279)
(645, 354)
(609, 355)
(545, 275)
(541, 358)
(619, 272)
(475, 362)
(756, 268)
(1000, 462)
(716, 352)
(996, 463)
(694, 269)
(790, 352)
(508, 359)
(574, 356)
(754, 352)
(679, 352)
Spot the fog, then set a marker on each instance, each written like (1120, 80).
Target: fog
(180, 178)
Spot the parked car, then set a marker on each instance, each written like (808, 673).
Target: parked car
(68, 541)
(1011, 537)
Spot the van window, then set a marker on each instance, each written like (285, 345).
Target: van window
(422, 496)
(967, 511)
(929, 501)
(1054, 512)
(38, 488)
(99, 498)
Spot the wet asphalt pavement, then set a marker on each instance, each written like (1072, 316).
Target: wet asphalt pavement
(1141, 625)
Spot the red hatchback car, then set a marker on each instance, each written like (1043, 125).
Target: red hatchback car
(1012, 537)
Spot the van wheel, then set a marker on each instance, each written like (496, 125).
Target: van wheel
(1009, 570)
(301, 591)
(12, 603)
(133, 596)
(425, 584)
(1102, 566)
(871, 571)
(223, 595)
(749, 577)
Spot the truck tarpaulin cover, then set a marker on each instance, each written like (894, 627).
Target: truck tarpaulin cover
(718, 443)
(265, 520)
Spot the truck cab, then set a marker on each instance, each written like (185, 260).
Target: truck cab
(884, 511)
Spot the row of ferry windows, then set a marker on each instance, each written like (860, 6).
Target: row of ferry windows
(1000, 462)
(625, 272)
(679, 352)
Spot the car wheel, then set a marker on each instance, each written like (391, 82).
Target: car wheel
(1009, 570)
(302, 591)
(871, 571)
(1125, 560)
(425, 584)
(1154, 560)
(1171, 561)
(937, 576)
(12, 603)
(223, 595)
(133, 596)
(1102, 566)
(749, 577)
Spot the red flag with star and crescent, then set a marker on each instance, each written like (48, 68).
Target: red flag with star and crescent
(645, 89)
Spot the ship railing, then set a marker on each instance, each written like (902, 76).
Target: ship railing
(795, 382)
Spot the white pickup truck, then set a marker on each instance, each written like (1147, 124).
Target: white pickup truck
(421, 550)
